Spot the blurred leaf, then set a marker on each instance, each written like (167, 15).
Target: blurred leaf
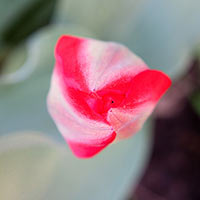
(35, 167)
(166, 33)
(163, 33)
(27, 163)
(11, 67)
(104, 18)
(37, 55)
(197, 52)
(24, 104)
(195, 100)
(19, 18)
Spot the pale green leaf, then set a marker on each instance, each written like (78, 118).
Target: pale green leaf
(163, 33)
(40, 166)
(35, 167)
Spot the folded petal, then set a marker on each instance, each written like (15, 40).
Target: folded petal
(85, 137)
(100, 91)
(143, 92)
(86, 65)
(127, 122)
(147, 86)
(88, 150)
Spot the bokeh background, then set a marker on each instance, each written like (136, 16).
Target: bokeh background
(161, 162)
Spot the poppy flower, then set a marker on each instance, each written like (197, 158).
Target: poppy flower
(100, 92)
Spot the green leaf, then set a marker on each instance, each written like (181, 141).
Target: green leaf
(23, 92)
(195, 101)
(13, 69)
(104, 18)
(163, 33)
(166, 34)
(37, 165)
(19, 18)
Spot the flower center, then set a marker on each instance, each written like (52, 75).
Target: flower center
(101, 101)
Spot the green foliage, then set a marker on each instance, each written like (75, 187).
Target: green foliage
(23, 92)
(37, 167)
(42, 166)
(163, 33)
(19, 18)
(35, 162)
(195, 101)
(106, 19)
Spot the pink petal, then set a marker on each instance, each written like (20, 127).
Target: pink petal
(86, 150)
(80, 132)
(68, 62)
(144, 91)
(148, 86)
(128, 122)
(100, 90)
(85, 65)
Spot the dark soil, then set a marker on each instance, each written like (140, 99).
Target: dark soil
(173, 172)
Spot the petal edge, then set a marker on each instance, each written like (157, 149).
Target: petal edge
(86, 150)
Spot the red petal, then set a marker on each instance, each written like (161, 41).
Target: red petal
(104, 82)
(68, 63)
(72, 63)
(70, 68)
(143, 92)
(84, 150)
(147, 86)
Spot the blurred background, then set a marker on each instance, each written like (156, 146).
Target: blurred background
(161, 162)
